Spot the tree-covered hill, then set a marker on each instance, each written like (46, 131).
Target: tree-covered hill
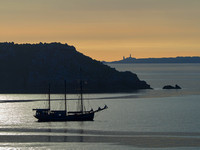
(29, 68)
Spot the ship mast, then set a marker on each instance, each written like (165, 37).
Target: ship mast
(81, 90)
(65, 100)
(49, 98)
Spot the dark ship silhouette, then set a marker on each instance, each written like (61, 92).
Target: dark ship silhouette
(45, 115)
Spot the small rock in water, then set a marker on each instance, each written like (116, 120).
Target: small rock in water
(172, 87)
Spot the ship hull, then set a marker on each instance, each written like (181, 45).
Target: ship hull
(74, 117)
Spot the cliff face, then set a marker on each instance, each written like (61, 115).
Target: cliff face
(29, 68)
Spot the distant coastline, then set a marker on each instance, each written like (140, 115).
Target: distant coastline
(195, 59)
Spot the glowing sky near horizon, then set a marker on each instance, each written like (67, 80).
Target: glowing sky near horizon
(106, 29)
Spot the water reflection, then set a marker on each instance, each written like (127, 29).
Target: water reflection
(138, 139)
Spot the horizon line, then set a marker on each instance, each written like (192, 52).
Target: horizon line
(153, 58)
(65, 43)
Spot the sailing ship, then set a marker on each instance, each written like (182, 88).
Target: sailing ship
(45, 115)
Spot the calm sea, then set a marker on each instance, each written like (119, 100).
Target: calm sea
(147, 119)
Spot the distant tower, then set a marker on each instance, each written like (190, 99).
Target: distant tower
(123, 57)
(130, 56)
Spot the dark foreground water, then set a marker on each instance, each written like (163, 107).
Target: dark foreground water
(147, 119)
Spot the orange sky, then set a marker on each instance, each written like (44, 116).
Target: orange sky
(106, 29)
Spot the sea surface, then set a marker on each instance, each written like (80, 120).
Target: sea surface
(144, 120)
